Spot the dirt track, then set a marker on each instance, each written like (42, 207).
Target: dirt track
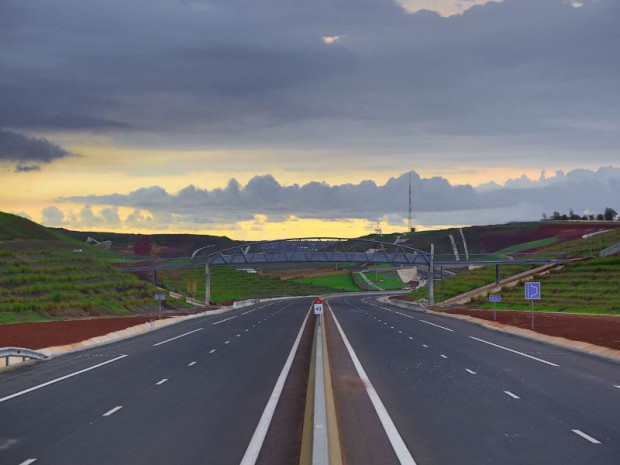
(601, 330)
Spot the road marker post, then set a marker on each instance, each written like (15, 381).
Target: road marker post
(532, 293)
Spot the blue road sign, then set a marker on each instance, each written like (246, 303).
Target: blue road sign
(532, 291)
(495, 298)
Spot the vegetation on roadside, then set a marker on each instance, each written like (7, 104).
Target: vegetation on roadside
(466, 281)
(339, 282)
(42, 279)
(387, 280)
(589, 286)
(229, 284)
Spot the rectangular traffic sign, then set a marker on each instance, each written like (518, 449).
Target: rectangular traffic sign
(495, 298)
(160, 296)
(532, 291)
(318, 307)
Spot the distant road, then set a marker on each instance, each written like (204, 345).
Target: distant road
(461, 394)
(190, 393)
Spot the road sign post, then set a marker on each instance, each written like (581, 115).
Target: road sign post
(532, 293)
(160, 298)
(495, 298)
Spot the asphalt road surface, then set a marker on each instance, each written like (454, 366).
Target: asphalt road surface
(457, 393)
(190, 393)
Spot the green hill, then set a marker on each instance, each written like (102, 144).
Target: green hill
(14, 227)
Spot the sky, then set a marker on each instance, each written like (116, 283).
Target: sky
(263, 119)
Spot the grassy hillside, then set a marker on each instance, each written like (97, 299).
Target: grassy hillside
(589, 286)
(45, 274)
(466, 281)
(41, 279)
(340, 282)
(15, 227)
(228, 284)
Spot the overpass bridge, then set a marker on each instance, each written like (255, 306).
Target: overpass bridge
(337, 250)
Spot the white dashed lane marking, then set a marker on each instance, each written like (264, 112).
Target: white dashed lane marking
(470, 371)
(160, 382)
(113, 411)
(28, 462)
(212, 350)
(437, 326)
(443, 356)
(225, 319)
(586, 436)
(514, 351)
(191, 364)
(514, 396)
(177, 337)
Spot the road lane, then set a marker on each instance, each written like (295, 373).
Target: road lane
(207, 412)
(447, 392)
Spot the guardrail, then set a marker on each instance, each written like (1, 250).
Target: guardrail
(8, 354)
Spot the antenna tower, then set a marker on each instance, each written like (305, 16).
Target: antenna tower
(410, 222)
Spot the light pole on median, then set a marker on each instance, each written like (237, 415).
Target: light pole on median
(207, 273)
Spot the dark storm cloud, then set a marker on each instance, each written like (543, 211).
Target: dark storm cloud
(577, 189)
(535, 73)
(28, 152)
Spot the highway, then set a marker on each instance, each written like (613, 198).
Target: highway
(194, 392)
(450, 392)
(410, 388)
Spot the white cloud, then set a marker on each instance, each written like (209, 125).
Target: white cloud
(445, 8)
(329, 40)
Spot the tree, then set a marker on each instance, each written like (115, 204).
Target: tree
(610, 214)
(556, 216)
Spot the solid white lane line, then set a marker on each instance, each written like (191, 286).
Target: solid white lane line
(28, 462)
(225, 319)
(443, 356)
(160, 382)
(586, 436)
(212, 350)
(177, 337)
(258, 438)
(437, 326)
(515, 352)
(470, 371)
(39, 386)
(514, 396)
(191, 364)
(113, 411)
(399, 446)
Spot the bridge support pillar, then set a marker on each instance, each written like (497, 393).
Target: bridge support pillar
(431, 277)
(498, 276)
(207, 284)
